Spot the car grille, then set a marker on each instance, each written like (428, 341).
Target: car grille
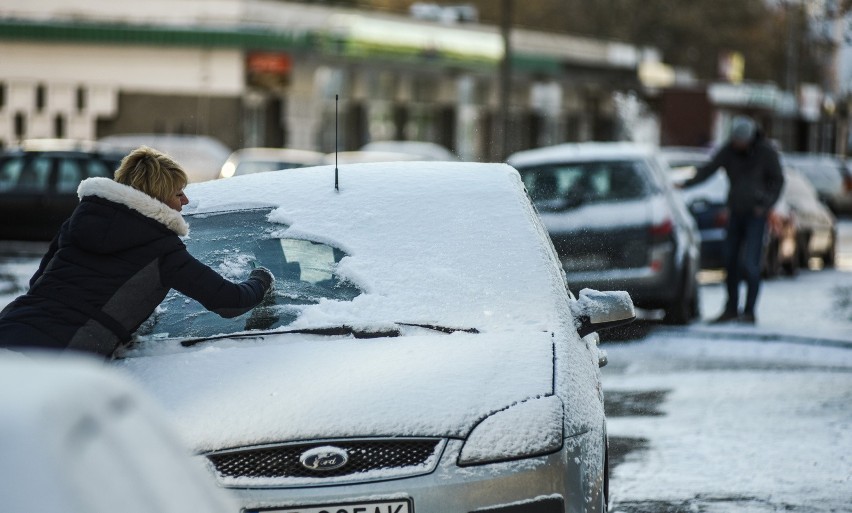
(365, 457)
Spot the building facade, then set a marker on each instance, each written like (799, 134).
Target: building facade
(269, 73)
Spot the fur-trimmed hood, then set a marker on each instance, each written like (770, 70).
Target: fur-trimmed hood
(134, 199)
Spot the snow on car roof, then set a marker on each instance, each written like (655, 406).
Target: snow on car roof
(456, 244)
(577, 152)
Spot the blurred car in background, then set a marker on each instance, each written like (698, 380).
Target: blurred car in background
(257, 160)
(200, 156)
(38, 184)
(423, 149)
(616, 222)
(800, 226)
(79, 437)
(781, 252)
(829, 175)
(817, 226)
(707, 201)
(363, 157)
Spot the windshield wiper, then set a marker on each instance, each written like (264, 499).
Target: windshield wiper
(436, 327)
(330, 331)
(341, 330)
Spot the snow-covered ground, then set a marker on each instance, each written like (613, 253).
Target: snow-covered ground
(740, 418)
(740, 426)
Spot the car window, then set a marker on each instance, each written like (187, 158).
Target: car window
(587, 182)
(233, 243)
(69, 176)
(10, 169)
(34, 174)
(98, 168)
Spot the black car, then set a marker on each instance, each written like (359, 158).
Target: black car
(617, 222)
(707, 201)
(38, 185)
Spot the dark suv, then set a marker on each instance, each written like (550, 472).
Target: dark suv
(38, 185)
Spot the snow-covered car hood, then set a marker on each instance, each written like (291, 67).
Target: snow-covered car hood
(235, 393)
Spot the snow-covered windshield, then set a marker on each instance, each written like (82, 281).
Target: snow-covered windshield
(235, 242)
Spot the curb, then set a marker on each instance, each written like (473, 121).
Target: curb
(758, 336)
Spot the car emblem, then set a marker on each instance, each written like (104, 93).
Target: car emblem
(324, 458)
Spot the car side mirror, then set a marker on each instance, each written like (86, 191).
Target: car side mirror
(594, 311)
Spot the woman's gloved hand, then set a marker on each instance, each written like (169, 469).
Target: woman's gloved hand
(264, 276)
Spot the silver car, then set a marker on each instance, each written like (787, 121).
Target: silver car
(420, 351)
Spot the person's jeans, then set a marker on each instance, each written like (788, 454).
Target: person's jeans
(743, 259)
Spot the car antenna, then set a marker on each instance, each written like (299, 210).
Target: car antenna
(336, 185)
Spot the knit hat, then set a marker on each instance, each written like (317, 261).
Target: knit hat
(743, 129)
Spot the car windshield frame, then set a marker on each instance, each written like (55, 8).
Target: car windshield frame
(233, 243)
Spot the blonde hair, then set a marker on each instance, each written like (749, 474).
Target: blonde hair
(152, 172)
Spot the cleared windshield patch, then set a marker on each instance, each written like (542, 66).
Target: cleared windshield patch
(234, 243)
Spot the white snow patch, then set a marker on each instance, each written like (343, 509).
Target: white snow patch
(766, 431)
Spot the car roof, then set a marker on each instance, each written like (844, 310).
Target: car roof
(61, 146)
(360, 157)
(289, 154)
(426, 150)
(200, 156)
(581, 152)
(381, 208)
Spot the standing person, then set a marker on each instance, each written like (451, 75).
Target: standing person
(754, 172)
(115, 259)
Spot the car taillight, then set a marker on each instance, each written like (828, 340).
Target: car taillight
(720, 220)
(662, 231)
(847, 183)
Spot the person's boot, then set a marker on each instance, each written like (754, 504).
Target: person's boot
(748, 318)
(726, 316)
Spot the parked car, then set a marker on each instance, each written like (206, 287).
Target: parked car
(829, 176)
(617, 222)
(799, 225)
(38, 184)
(782, 251)
(707, 201)
(256, 160)
(817, 226)
(200, 156)
(364, 157)
(423, 149)
(79, 437)
(419, 352)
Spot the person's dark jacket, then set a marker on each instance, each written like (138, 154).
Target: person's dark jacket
(754, 174)
(112, 262)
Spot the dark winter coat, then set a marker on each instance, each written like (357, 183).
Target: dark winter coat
(754, 174)
(108, 268)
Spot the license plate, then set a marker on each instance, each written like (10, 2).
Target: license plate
(403, 506)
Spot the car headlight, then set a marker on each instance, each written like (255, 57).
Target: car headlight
(523, 430)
